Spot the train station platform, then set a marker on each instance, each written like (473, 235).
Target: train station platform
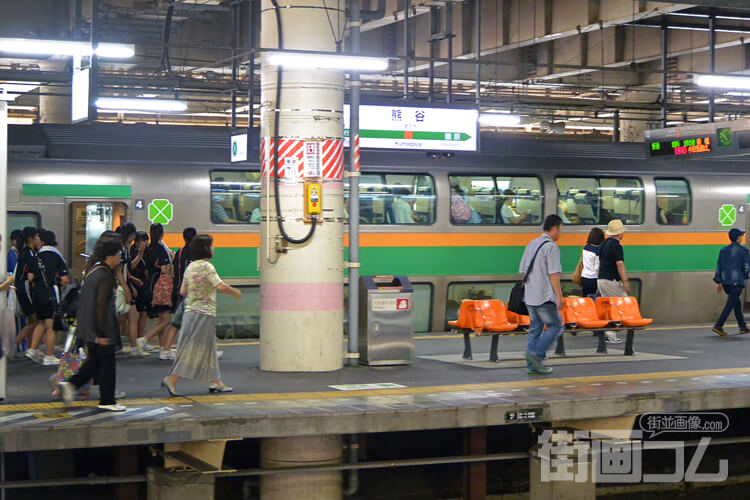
(674, 369)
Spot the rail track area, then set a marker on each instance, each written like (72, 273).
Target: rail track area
(674, 369)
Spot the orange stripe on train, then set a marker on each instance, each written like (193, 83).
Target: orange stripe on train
(244, 240)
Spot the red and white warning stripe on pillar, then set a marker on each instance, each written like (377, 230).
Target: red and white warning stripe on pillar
(356, 153)
(299, 158)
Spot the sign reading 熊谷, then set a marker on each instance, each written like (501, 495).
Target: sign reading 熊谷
(417, 128)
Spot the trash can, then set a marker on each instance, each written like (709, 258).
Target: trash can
(386, 320)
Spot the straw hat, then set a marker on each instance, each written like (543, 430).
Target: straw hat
(615, 227)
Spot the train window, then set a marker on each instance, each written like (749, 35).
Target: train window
(19, 220)
(238, 319)
(422, 302)
(673, 201)
(235, 197)
(487, 290)
(570, 289)
(395, 199)
(496, 200)
(588, 200)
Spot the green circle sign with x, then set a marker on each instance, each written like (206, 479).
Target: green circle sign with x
(160, 212)
(727, 215)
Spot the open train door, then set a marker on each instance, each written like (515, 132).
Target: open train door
(89, 219)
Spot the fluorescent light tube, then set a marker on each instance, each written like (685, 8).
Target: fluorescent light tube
(131, 104)
(498, 120)
(325, 61)
(32, 46)
(115, 50)
(722, 81)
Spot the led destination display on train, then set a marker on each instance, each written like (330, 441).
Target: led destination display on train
(677, 147)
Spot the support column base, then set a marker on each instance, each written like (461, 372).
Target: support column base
(165, 485)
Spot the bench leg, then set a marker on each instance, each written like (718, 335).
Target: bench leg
(560, 349)
(467, 346)
(629, 343)
(493, 349)
(602, 347)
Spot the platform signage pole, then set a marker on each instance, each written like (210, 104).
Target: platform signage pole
(354, 84)
(3, 231)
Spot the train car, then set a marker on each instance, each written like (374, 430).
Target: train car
(461, 235)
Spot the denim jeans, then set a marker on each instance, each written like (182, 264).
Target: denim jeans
(539, 338)
(734, 303)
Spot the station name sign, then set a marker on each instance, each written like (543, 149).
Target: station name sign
(677, 147)
(415, 128)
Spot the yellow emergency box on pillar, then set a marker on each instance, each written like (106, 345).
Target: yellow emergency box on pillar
(313, 198)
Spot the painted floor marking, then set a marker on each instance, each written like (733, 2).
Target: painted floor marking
(367, 387)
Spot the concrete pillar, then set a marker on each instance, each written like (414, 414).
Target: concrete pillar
(302, 303)
(298, 452)
(165, 485)
(54, 108)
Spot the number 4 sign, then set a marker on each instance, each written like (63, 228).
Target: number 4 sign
(140, 204)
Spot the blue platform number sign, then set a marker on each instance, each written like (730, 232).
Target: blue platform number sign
(140, 204)
(160, 211)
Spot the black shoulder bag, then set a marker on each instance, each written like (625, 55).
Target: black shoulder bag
(516, 303)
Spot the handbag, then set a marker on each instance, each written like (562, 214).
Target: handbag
(578, 273)
(163, 287)
(516, 304)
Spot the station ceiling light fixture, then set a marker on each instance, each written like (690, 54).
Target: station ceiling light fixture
(32, 46)
(722, 81)
(499, 120)
(136, 104)
(327, 61)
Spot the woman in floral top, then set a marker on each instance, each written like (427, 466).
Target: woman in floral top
(196, 348)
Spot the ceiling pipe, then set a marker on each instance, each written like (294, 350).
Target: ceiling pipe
(373, 15)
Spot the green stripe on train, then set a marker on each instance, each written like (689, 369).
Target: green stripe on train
(78, 190)
(242, 262)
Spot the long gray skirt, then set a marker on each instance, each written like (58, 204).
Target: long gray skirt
(196, 349)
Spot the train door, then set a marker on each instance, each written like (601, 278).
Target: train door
(89, 219)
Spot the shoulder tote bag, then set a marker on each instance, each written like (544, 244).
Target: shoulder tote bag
(578, 273)
(516, 303)
(163, 289)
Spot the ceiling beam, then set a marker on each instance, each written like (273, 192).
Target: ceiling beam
(727, 4)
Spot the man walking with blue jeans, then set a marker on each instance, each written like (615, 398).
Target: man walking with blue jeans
(542, 294)
(731, 273)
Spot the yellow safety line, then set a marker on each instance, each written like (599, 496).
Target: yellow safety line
(333, 394)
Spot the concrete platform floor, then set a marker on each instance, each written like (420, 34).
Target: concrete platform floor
(674, 369)
(438, 363)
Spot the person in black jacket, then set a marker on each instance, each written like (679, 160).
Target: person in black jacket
(27, 269)
(97, 324)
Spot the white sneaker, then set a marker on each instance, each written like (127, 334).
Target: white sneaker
(136, 353)
(219, 354)
(166, 355)
(67, 392)
(219, 388)
(34, 355)
(50, 361)
(612, 338)
(113, 408)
